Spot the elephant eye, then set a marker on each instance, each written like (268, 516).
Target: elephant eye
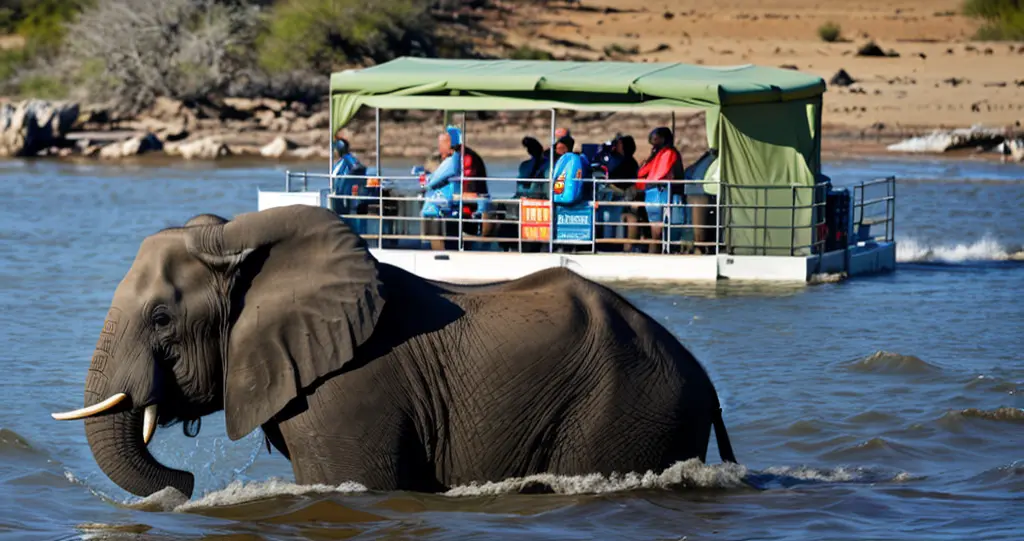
(161, 318)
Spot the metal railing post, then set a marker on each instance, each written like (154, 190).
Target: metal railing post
(668, 211)
(593, 213)
(888, 194)
(462, 178)
(792, 220)
(893, 180)
(305, 181)
(718, 217)
(287, 180)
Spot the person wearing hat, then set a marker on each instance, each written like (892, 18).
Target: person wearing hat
(345, 175)
(443, 184)
(664, 163)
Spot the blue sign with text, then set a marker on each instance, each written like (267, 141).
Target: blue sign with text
(574, 223)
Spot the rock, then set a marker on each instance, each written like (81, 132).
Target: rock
(30, 127)
(172, 132)
(872, 49)
(166, 109)
(277, 148)
(280, 125)
(300, 108)
(132, 147)
(1016, 149)
(172, 112)
(244, 150)
(841, 78)
(95, 114)
(251, 105)
(265, 118)
(316, 121)
(308, 153)
(207, 148)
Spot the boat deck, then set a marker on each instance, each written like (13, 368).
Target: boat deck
(395, 236)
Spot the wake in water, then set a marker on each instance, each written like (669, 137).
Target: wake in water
(686, 475)
(985, 250)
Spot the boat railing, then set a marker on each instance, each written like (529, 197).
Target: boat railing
(391, 219)
(874, 210)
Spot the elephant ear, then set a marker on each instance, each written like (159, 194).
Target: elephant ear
(314, 297)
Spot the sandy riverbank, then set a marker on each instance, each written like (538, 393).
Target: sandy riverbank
(940, 79)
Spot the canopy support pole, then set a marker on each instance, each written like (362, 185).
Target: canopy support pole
(380, 190)
(330, 144)
(551, 186)
(674, 125)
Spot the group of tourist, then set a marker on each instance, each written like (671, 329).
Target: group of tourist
(637, 183)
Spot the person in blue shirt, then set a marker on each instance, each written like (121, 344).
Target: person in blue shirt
(341, 184)
(444, 183)
(565, 146)
(440, 187)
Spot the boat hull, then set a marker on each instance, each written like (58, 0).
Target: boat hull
(478, 267)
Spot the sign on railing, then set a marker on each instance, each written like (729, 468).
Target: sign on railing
(535, 219)
(575, 223)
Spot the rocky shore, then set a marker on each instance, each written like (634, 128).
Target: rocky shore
(277, 130)
(296, 131)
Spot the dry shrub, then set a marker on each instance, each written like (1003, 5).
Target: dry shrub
(131, 51)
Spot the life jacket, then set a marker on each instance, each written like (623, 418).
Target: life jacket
(568, 186)
(667, 164)
(472, 167)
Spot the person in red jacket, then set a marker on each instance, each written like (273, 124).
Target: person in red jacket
(664, 163)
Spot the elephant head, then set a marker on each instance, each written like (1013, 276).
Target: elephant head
(242, 315)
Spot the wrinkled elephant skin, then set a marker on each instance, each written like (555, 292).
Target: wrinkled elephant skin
(360, 371)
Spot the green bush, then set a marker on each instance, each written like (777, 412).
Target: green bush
(1004, 19)
(12, 61)
(830, 32)
(43, 23)
(320, 35)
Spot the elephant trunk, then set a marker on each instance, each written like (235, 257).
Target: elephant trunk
(118, 436)
(116, 443)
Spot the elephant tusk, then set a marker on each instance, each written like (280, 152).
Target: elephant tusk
(91, 410)
(149, 423)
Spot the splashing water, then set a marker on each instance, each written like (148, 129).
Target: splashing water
(985, 249)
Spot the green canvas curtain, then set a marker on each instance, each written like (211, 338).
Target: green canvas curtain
(760, 145)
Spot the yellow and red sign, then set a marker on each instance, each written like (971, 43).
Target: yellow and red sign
(535, 219)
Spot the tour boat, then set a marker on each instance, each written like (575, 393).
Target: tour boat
(755, 206)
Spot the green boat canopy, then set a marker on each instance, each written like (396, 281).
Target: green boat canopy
(764, 122)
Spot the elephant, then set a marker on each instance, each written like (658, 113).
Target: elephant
(357, 370)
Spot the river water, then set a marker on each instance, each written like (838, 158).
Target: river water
(878, 408)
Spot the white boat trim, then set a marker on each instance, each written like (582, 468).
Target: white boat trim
(482, 267)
